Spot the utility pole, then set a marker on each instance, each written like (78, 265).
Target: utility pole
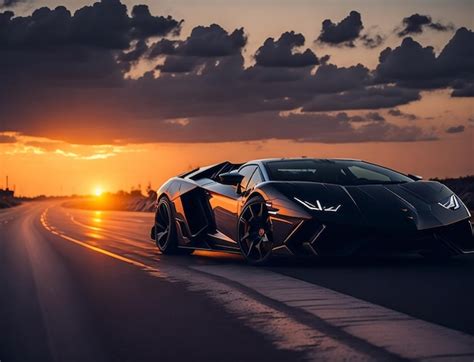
(7, 183)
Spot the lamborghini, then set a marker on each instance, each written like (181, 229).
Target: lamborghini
(308, 207)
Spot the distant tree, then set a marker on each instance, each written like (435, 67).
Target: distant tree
(151, 193)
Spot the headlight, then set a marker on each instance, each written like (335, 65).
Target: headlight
(319, 206)
(451, 203)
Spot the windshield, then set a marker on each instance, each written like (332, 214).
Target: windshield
(338, 172)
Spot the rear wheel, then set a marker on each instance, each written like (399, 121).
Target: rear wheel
(165, 229)
(255, 232)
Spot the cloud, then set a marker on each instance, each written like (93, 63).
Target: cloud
(203, 43)
(42, 146)
(330, 78)
(414, 24)
(372, 41)
(343, 33)
(104, 24)
(412, 65)
(282, 52)
(10, 3)
(398, 113)
(206, 42)
(408, 64)
(144, 25)
(456, 60)
(375, 116)
(300, 127)
(7, 139)
(466, 90)
(455, 129)
(133, 56)
(367, 98)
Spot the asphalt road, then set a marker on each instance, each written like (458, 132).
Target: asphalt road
(90, 286)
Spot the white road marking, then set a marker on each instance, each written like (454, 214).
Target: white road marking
(393, 331)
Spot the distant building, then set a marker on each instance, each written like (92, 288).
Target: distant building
(6, 194)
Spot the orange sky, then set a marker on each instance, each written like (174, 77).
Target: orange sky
(55, 172)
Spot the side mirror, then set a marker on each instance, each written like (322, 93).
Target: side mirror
(415, 177)
(230, 178)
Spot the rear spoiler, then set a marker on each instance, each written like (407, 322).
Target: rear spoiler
(183, 175)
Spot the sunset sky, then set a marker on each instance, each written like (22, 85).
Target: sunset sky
(115, 94)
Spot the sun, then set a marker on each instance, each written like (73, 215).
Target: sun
(98, 191)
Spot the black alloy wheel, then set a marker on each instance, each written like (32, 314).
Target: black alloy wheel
(165, 230)
(255, 232)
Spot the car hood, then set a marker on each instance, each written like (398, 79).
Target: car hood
(406, 206)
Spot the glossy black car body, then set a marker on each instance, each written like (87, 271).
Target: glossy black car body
(308, 207)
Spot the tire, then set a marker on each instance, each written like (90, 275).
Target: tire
(254, 232)
(165, 229)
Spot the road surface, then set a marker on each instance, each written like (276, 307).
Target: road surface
(81, 285)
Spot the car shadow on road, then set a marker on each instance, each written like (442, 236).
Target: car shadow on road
(394, 261)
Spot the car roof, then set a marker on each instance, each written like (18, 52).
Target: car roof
(265, 160)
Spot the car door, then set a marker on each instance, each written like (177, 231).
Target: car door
(225, 202)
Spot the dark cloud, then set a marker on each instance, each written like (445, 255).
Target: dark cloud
(455, 129)
(281, 53)
(414, 24)
(145, 25)
(7, 139)
(412, 65)
(375, 116)
(368, 117)
(456, 60)
(367, 98)
(398, 113)
(372, 41)
(466, 90)
(408, 64)
(335, 129)
(330, 78)
(343, 33)
(128, 58)
(104, 24)
(321, 127)
(202, 44)
(211, 41)
(10, 3)
(324, 59)
(178, 64)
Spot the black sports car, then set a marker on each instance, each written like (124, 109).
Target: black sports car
(321, 207)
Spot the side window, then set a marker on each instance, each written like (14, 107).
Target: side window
(247, 172)
(255, 179)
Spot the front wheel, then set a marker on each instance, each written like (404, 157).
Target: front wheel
(255, 232)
